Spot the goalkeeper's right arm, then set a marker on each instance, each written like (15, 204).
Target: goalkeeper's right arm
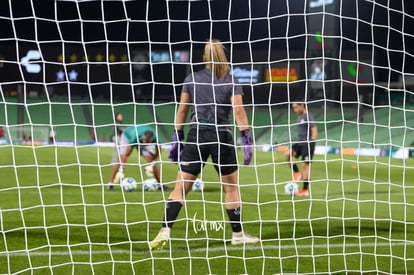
(243, 124)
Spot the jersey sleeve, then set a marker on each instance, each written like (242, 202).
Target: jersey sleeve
(188, 84)
(237, 90)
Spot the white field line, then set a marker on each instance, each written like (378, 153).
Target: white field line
(211, 249)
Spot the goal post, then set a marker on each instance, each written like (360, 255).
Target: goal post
(68, 67)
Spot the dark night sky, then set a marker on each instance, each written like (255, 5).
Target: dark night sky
(244, 22)
(248, 20)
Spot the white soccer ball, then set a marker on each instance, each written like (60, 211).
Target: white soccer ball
(150, 184)
(198, 185)
(291, 188)
(128, 184)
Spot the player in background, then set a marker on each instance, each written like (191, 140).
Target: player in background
(118, 128)
(116, 137)
(213, 97)
(145, 140)
(304, 146)
(52, 136)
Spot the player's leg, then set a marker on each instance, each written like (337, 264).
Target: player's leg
(120, 156)
(172, 208)
(306, 158)
(115, 166)
(231, 190)
(225, 160)
(190, 167)
(234, 209)
(306, 172)
(289, 155)
(183, 184)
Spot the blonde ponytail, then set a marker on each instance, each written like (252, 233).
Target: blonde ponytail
(215, 56)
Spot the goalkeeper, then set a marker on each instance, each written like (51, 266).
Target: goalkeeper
(145, 140)
(304, 146)
(213, 97)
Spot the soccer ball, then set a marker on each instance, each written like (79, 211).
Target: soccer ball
(150, 184)
(198, 185)
(291, 188)
(128, 184)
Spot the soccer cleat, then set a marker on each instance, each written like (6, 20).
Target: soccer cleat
(297, 176)
(243, 238)
(110, 186)
(303, 193)
(164, 187)
(161, 239)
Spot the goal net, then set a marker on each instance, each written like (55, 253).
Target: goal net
(68, 67)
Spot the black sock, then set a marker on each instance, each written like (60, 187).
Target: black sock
(295, 168)
(306, 184)
(235, 219)
(172, 209)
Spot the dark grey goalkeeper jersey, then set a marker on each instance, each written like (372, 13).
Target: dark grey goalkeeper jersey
(210, 99)
(304, 124)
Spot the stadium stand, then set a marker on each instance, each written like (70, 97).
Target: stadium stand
(383, 127)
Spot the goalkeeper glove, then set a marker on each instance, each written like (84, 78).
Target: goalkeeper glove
(176, 149)
(119, 175)
(247, 142)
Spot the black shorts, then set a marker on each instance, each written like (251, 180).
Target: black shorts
(304, 150)
(199, 147)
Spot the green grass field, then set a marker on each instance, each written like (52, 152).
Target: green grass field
(58, 218)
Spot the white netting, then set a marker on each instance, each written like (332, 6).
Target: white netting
(68, 66)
